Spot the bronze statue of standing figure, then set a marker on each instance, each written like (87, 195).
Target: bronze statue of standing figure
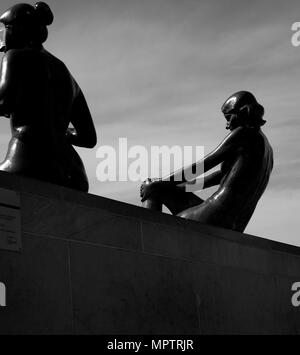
(41, 98)
(246, 159)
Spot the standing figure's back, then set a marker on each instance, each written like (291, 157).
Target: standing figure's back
(41, 98)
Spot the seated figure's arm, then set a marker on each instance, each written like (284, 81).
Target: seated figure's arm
(207, 181)
(9, 82)
(84, 134)
(235, 140)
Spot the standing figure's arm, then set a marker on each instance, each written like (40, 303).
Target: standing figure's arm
(84, 134)
(9, 82)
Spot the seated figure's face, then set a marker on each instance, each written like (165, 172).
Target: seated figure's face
(233, 108)
(233, 120)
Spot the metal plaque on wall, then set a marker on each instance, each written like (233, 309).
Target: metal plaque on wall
(10, 220)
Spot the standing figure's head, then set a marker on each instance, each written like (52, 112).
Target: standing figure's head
(24, 25)
(242, 109)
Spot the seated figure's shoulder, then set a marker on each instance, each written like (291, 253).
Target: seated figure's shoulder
(244, 133)
(239, 131)
(240, 137)
(235, 135)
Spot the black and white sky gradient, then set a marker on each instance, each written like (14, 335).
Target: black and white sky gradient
(158, 71)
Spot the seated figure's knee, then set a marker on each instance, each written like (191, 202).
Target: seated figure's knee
(150, 193)
(153, 204)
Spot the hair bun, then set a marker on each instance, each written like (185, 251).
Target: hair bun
(44, 13)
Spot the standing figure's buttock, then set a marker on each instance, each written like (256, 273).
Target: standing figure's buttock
(32, 155)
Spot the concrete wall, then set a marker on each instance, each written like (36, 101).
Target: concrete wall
(90, 265)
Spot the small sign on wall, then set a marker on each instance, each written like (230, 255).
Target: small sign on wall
(10, 220)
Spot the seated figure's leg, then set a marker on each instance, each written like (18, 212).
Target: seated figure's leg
(173, 197)
(153, 203)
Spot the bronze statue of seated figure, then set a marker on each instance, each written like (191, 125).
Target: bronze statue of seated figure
(41, 98)
(246, 159)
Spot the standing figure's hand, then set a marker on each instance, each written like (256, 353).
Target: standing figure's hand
(71, 134)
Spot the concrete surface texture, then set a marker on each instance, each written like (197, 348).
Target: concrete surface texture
(91, 265)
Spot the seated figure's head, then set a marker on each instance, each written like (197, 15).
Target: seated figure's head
(25, 25)
(242, 109)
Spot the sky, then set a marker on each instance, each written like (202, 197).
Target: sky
(157, 72)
